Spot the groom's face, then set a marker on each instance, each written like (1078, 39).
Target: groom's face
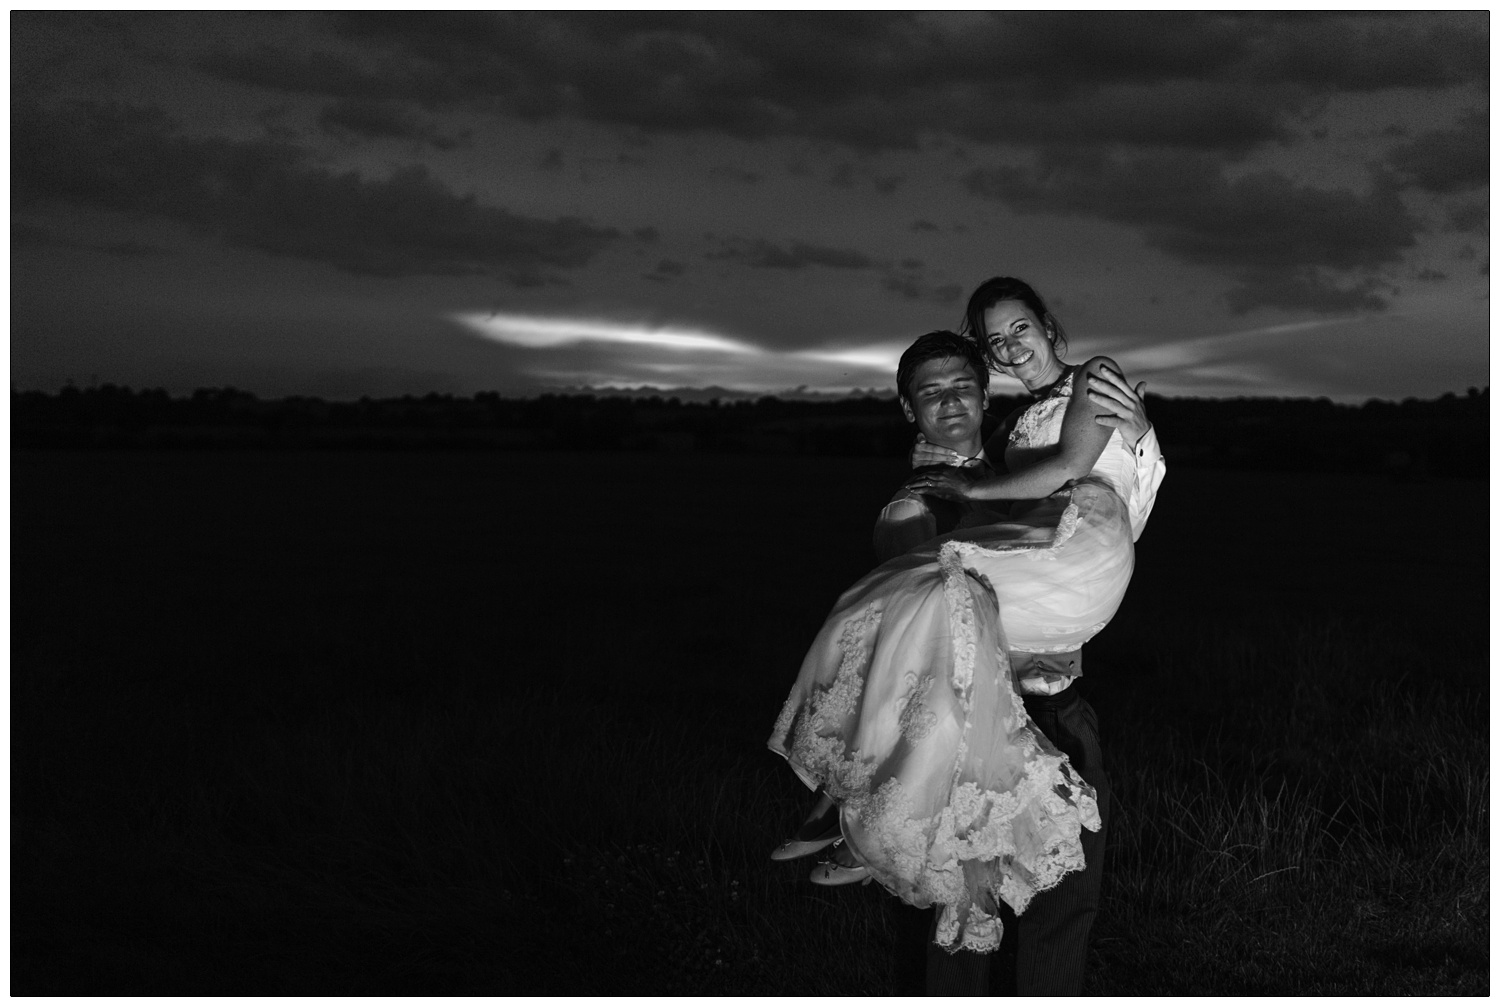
(946, 401)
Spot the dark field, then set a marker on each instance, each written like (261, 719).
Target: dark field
(487, 723)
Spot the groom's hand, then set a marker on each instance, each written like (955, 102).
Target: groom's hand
(1124, 406)
(925, 453)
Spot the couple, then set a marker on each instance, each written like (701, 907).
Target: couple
(940, 780)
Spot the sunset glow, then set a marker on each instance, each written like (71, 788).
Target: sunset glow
(539, 332)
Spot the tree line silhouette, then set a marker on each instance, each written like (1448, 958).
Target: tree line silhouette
(1414, 438)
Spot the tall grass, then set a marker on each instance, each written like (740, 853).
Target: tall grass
(1320, 825)
(319, 765)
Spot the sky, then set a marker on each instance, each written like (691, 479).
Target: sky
(339, 205)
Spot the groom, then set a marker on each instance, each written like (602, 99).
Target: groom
(943, 386)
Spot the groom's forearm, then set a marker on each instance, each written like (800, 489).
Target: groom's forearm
(904, 524)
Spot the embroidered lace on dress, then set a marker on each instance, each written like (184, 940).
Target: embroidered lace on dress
(1041, 424)
(976, 837)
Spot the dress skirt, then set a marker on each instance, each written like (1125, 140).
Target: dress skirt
(905, 710)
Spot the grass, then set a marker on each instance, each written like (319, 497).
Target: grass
(406, 723)
(1332, 842)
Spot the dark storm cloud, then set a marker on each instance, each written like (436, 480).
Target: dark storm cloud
(1304, 288)
(267, 196)
(848, 175)
(735, 174)
(1448, 160)
(906, 279)
(762, 254)
(1370, 51)
(23, 235)
(913, 287)
(1469, 216)
(383, 120)
(1210, 80)
(325, 72)
(666, 271)
(1277, 237)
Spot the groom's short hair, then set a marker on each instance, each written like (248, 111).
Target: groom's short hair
(936, 346)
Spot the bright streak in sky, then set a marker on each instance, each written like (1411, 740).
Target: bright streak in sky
(878, 358)
(540, 332)
(645, 354)
(604, 352)
(1197, 350)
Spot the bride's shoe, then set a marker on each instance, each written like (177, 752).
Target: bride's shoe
(799, 847)
(831, 872)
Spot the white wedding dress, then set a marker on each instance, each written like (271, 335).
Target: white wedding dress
(905, 710)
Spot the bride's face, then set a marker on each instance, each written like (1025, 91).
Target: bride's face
(1021, 343)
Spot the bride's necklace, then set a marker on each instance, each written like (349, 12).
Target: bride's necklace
(1052, 389)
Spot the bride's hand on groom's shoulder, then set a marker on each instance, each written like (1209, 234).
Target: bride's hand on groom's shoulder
(923, 453)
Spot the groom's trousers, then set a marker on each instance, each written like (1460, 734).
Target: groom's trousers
(1043, 951)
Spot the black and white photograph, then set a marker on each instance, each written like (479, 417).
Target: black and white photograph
(749, 503)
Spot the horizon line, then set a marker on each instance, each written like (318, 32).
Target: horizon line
(701, 393)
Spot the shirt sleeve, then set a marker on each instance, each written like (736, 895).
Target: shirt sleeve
(905, 523)
(1150, 470)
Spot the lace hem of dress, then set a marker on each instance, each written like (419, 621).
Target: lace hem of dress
(981, 844)
(969, 853)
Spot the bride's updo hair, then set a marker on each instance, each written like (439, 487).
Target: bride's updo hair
(1008, 288)
(937, 346)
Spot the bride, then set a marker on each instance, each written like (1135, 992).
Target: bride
(906, 712)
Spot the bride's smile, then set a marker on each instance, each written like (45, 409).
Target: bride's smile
(1021, 344)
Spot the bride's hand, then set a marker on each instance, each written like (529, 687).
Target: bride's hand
(923, 453)
(941, 481)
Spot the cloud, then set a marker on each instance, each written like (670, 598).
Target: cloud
(910, 285)
(1448, 160)
(324, 72)
(904, 278)
(1348, 358)
(1283, 241)
(847, 175)
(267, 196)
(1372, 51)
(735, 174)
(1301, 289)
(763, 254)
(23, 235)
(1210, 80)
(383, 120)
(1474, 216)
(666, 271)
